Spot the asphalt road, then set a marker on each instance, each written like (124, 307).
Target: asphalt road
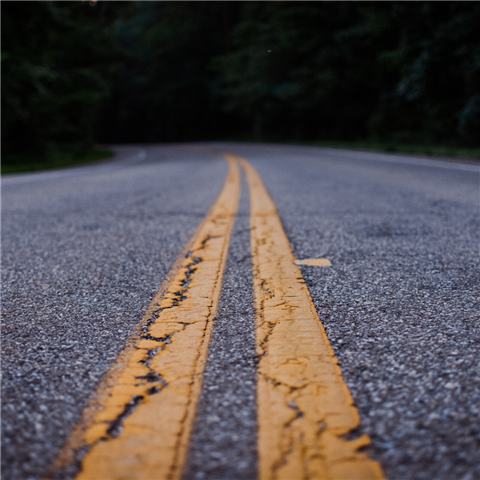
(84, 251)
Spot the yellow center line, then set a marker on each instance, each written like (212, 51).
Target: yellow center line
(141, 425)
(304, 406)
(314, 262)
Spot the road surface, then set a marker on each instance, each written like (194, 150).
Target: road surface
(90, 253)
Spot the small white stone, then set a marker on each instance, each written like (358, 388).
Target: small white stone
(451, 385)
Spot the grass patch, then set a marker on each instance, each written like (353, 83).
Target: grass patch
(58, 159)
(390, 147)
(446, 151)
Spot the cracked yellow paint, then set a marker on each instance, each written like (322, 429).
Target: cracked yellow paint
(142, 423)
(304, 406)
(314, 262)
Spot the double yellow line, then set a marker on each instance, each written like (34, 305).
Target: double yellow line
(138, 426)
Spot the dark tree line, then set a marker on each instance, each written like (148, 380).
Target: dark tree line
(57, 64)
(75, 73)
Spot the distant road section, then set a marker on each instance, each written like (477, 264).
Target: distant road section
(388, 247)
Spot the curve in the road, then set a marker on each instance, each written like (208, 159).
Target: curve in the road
(304, 407)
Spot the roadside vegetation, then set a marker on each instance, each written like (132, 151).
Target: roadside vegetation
(390, 76)
(57, 159)
(448, 151)
(423, 150)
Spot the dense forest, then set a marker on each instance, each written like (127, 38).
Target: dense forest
(78, 73)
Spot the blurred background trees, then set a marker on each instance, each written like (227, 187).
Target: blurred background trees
(57, 64)
(76, 73)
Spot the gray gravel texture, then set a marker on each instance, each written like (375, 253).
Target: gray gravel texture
(224, 439)
(84, 251)
(401, 302)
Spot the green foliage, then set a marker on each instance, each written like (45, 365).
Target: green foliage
(21, 163)
(404, 71)
(429, 150)
(390, 72)
(164, 90)
(437, 73)
(57, 58)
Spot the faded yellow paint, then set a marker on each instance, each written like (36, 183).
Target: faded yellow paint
(314, 262)
(304, 406)
(88, 423)
(141, 424)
